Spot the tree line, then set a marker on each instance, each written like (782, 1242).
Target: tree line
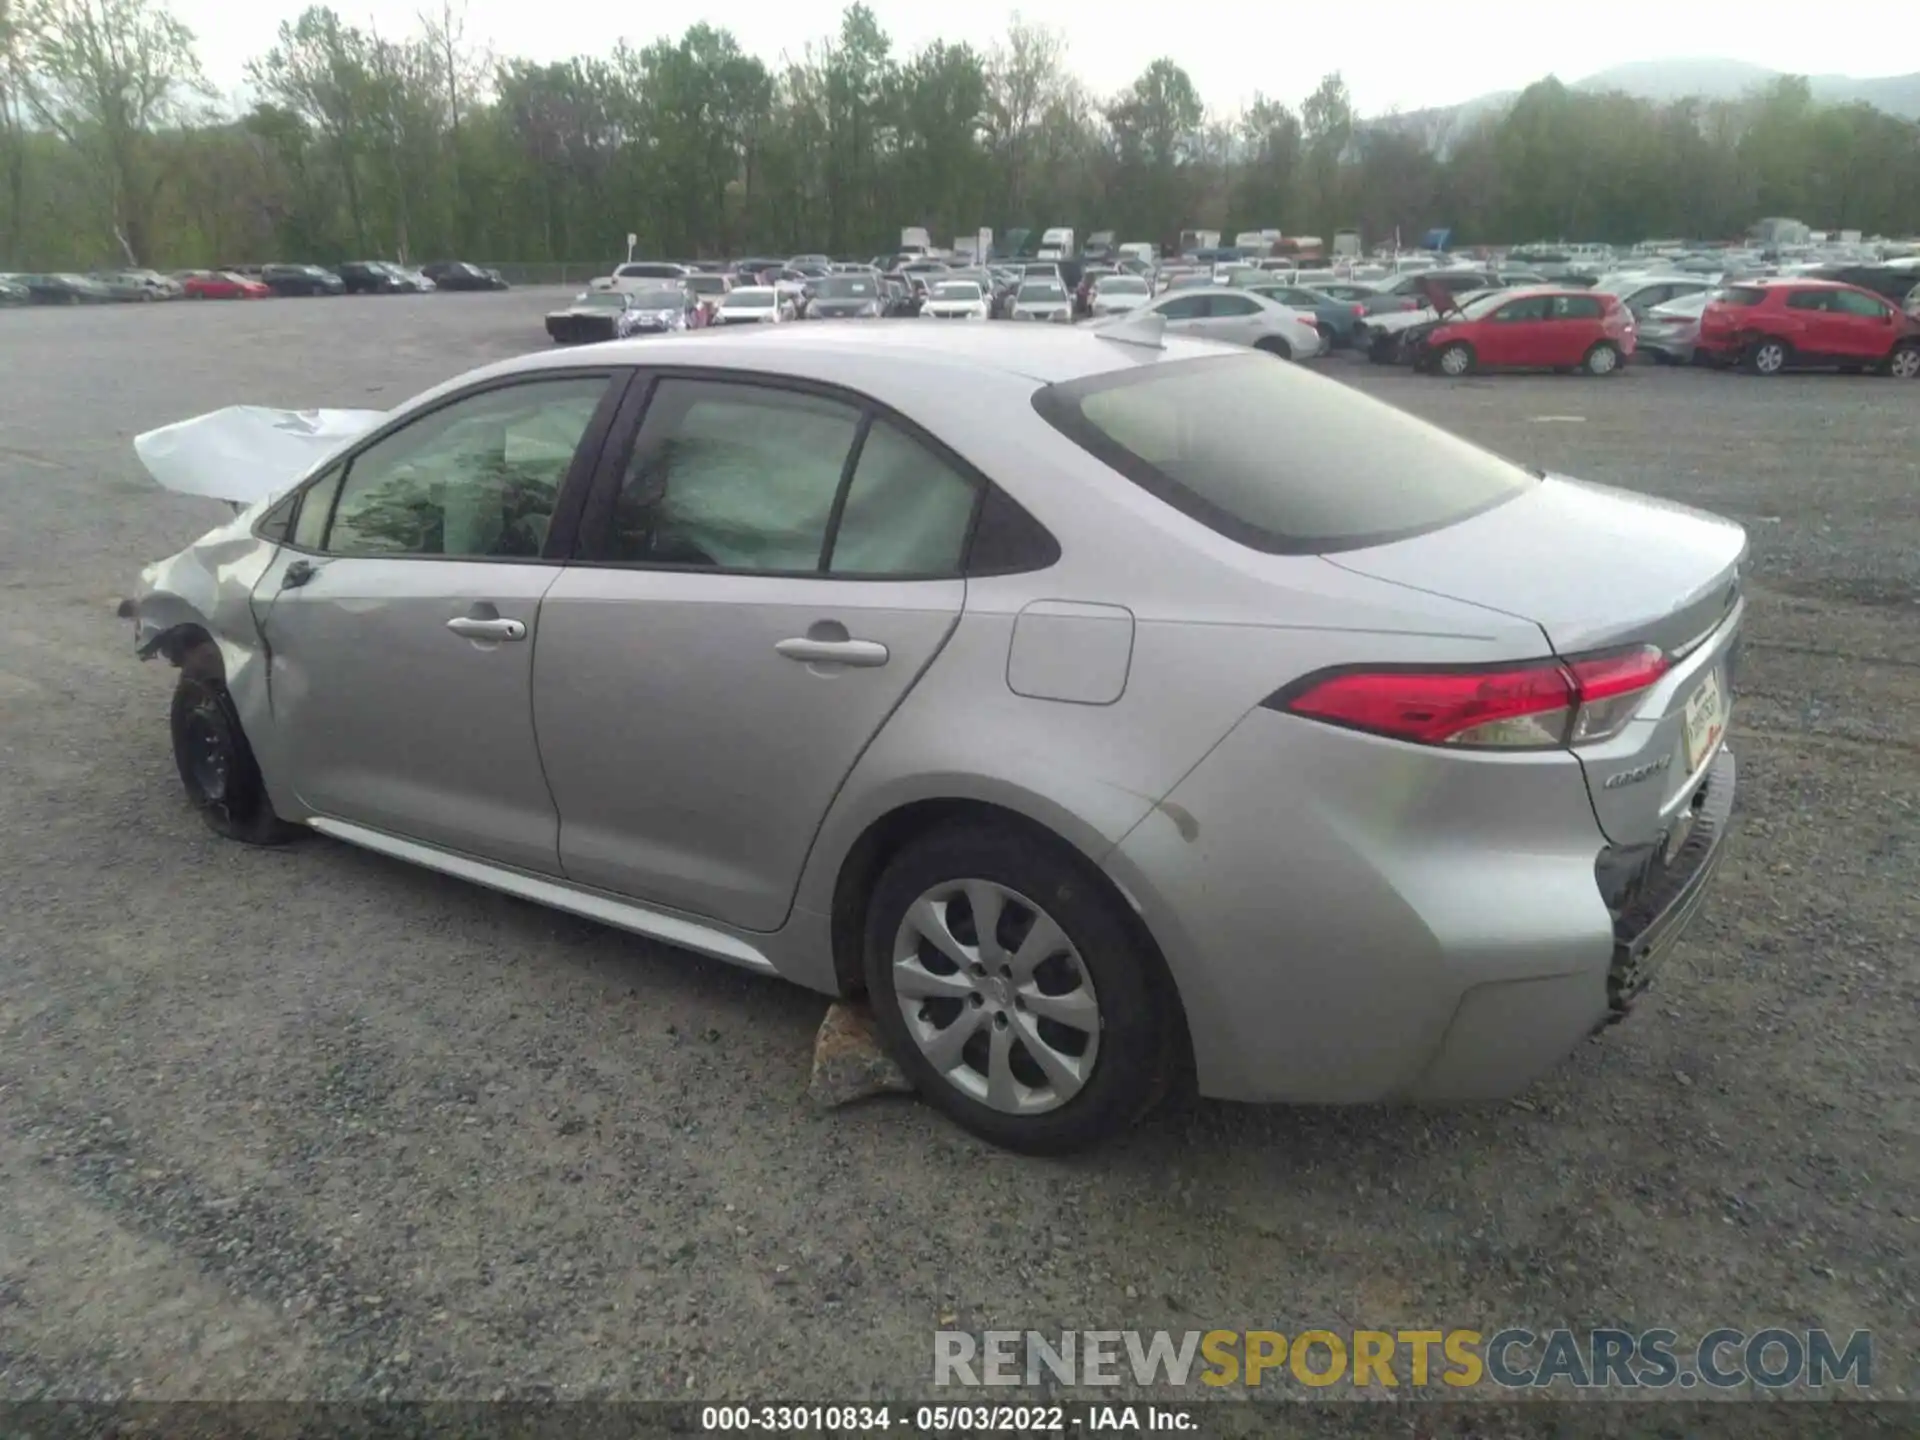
(114, 152)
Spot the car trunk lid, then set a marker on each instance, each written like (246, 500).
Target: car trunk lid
(1599, 569)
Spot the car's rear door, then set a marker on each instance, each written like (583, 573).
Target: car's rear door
(1863, 324)
(764, 571)
(1571, 326)
(1815, 332)
(403, 616)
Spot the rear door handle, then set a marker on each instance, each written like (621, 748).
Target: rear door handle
(861, 653)
(475, 629)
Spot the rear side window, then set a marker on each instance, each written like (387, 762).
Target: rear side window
(1742, 295)
(1576, 307)
(1276, 459)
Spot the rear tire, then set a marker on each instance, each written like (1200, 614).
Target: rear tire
(1766, 357)
(1603, 359)
(1454, 361)
(1904, 363)
(217, 767)
(1274, 345)
(1045, 1058)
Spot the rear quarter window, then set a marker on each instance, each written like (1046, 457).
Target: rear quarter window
(1276, 459)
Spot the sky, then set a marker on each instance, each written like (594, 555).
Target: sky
(1232, 51)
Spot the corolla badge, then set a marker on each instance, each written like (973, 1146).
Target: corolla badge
(1637, 774)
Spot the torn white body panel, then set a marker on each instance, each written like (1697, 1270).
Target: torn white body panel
(247, 453)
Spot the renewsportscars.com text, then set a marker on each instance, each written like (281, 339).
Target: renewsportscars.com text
(1512, 1359)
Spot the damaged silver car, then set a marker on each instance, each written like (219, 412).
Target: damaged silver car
(1075, 693)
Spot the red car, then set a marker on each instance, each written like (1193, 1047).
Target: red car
(1774, 325)
(221, 285)
(1536, 328)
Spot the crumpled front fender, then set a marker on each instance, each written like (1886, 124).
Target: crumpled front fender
(196, 609)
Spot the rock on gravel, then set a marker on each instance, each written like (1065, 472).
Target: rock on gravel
(849, 1062)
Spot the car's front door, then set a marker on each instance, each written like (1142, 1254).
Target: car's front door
(402, 619)
(1238, 319)
(1511, 333)
(1862, 323)
(1185, 312)
(760, 582)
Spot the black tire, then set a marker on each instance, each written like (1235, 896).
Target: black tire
(1138, 1038)
(1603, 359)
(1767, 357)
(1274, 345)
(217, 767)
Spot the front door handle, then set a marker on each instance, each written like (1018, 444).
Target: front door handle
(476, 629)
(809, 651)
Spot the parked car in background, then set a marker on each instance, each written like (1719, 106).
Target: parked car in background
(846, 296)
(1640, 293)
(459, 275)
(1087, 720)
(753, 305)
(957, 300)
(1770, 326)
(1234, 316)
(138, 284)
(14, 291)
(1415, 291)
(1118, 293)
(897, 299)
(1669, 333)
(1537, 329)
(414, 279)
(374, 277)
(708, 288)
(1338, 321)
(1043, 298)
(595, 315)
(64, 288)
(301, 280)
(222, 285)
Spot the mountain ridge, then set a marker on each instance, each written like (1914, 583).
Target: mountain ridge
(1709, 78)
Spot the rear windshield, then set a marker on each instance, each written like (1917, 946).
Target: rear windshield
(1743, 295)
(1277, 459)
(846, 287)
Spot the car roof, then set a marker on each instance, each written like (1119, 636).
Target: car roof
(1791, 282)
(1044, 354)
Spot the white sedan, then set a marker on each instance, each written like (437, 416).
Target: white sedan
(1235, 316)
(956, 300)
(753, 304)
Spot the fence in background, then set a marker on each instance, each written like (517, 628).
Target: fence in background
(553, 272)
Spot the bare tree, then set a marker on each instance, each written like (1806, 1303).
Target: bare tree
(105, 74)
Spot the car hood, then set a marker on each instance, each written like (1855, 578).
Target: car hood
(1392, 322)
(1587, 563)
(247, 453)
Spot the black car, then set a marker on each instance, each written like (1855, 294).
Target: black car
(13, 291)
(846, 297)
(301, 280)
(65, 289)
(372, 277)
(459, 275)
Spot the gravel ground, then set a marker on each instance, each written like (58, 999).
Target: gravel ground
(312, 1123)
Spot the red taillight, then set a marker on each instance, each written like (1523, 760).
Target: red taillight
(1359, 309)
(1536, 706)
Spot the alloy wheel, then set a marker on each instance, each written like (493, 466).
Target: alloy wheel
(1604, 360)
(996, 997)
(1770, 358)
(1454, 360)
(1905, 364)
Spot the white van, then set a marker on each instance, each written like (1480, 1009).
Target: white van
(1056, 244)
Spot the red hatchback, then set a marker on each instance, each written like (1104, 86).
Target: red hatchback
(1774, 325)
(1537, 328)
(221, 285)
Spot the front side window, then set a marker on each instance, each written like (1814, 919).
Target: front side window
(1576, 307)
(478, 478)
(1518, 310)
(1808, 300)
(1184, 307)
(1850, 302)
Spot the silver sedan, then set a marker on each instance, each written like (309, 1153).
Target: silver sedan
(1193, 706)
